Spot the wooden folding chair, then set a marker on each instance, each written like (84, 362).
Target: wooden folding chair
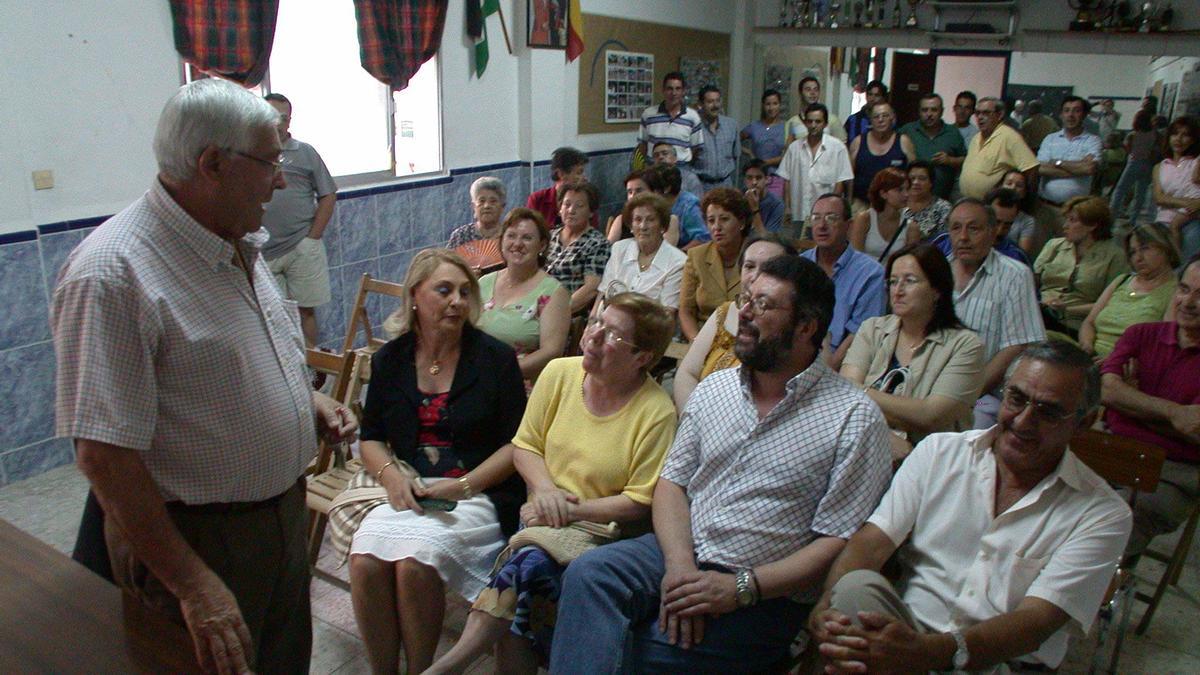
(360, 319)
(1174, 561)
(1130, 464)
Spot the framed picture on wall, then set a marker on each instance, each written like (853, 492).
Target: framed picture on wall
(546, 24)
(628, 86)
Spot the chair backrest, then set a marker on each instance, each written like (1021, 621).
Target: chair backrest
(360, 319)
(347, 368)
(1120, 460)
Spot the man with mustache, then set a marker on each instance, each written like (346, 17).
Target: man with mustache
(1010, 540)
(775, 463)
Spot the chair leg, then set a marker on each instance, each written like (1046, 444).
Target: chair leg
(1126, 600)
(1185, 545)
(1170, 576)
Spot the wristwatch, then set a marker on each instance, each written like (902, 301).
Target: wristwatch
(961, 655)
(1058, 163)
(745, 589)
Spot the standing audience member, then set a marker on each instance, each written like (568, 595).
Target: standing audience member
(296, 218)
(813, 165)
(1018, 114)
(1074, 270)
(1037, 126)
(1177, 185)
(176, 354)
(1144, 296)
(663, 154)
(645, 263)
(1152, 394)
(860, 123)
(964, 116)
(567, 165)
(993, 152)
(1133, 187)
(578, 252)
(1010, 541)
(810, 93)
(1112, 163)
(938, 143)
(590, 448)
(775, 463)
(880, 229)
(488, 198)
(637, 182)
(672, 122)
(523, 306)
(919, 364)
(994, 295)
(717, 165)
(881, 147)
(1106, 118)
(712, 350)
(710, 275)
(857, 278)
(764, 139)
(444, 399)
(925, 212)
(1068, 161)
(766, 207)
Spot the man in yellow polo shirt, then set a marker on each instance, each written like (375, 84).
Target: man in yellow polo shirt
(993, 152)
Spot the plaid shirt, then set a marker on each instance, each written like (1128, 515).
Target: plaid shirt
(587, 255)
(396, 36)
(232, 38)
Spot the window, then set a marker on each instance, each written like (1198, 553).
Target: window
(363, 133)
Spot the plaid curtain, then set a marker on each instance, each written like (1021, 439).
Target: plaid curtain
(230, 38)
(396, 36)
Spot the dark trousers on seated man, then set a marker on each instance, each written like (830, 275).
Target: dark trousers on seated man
(259, 550)
(614, 596)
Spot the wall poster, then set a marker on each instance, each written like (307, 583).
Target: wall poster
(628, 86)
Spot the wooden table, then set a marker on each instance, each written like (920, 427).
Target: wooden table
(56, 616)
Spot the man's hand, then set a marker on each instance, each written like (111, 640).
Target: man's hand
(334, 420)
(883, 645)
(219, 634)
(555, 508)
(680, 630)
(752, 199)
(939, 158)
(1186, 420)
(702, 593)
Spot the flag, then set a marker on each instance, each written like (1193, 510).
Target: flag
(574, 31)
(477, 13)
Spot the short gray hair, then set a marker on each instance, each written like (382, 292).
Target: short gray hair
(987, 208)
(1000, 107)
(1065, 354)
(207, 113)
(489, 183)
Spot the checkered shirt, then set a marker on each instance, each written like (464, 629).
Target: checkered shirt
(162, 348)
(396, 36)
(586, 255)
(230, 37)
(760, 490)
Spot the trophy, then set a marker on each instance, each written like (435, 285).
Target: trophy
(804, 15)
(879, 18)
(896, 14)
(911, 22)
(831, 18)
(869, 9)
(858, 10)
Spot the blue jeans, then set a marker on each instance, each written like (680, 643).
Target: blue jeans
(1189, 240)
(1136, 177)
(608, 621)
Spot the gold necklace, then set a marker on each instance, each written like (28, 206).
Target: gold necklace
(435, 368)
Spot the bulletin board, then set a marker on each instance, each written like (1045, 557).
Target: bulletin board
(669, 45)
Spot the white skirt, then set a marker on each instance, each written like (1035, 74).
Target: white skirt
(461, 545)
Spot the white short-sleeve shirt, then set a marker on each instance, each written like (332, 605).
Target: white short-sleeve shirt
(812, 174)
(660, 281)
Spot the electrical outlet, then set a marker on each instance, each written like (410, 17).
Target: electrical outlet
(43, 179)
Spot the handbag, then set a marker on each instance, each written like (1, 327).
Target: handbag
(563, 544)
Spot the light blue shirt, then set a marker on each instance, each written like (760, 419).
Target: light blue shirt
(1057, 146)
(691, 221)
(857, 290)
(717, 165)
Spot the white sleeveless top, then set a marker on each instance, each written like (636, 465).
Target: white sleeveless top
(875, 245)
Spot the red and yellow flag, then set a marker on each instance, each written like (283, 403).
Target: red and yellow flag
(574, 31)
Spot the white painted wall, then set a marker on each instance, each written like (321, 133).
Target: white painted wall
(83, 84)
(1091, 74)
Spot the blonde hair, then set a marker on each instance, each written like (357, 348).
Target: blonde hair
(653, 324)
(1092, 211)
(423, 265)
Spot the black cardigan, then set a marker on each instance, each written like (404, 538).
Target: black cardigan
(484, 409)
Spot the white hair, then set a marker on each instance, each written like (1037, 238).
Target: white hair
(489, 183)
(209, 112)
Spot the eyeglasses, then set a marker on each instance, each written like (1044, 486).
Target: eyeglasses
(276, 164)
(608, 335)
(758, 306)
(1017, 401)
(827, 218)
(973, 229)
(906, 281)
(986, 112)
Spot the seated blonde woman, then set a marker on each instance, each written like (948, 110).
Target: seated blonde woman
(1141, 297)
(712, 350)
(645, 263)
(445, 399)
(919, 364)
(590, 448)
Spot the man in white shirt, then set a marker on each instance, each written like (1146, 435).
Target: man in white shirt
(1069, 159)
(814, 165)
(1011, 540)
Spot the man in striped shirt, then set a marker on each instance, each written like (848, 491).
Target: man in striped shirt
(993, 295)
(673, 122)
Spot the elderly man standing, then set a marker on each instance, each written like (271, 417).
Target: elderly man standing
(857, 277)
(993, 152)
(717, 165)
(993, 295)
(775, 463)
(1010, 540)
(1152, 393)
(181, 378)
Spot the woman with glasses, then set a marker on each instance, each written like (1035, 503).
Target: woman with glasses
(523, 305)
(646, 263)
(590, 448)
(710, 275)
(712, 350)
(1141, 297)
(920, 364)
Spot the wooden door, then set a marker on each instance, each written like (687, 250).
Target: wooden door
(912, 77)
